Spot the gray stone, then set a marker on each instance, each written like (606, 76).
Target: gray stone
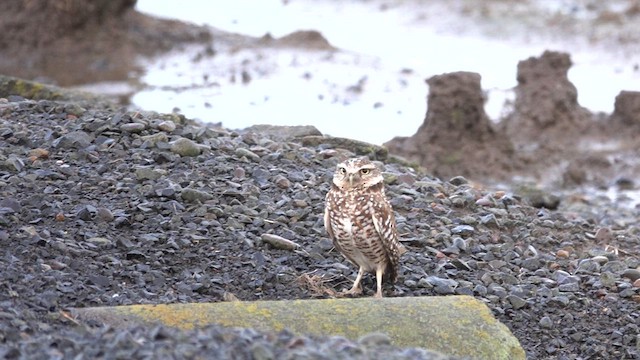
(133, 127)
(76, 139)
(185, 147)
(193, 195)
(167, 126)
(243, 152)
(147, 173)
(279, 242)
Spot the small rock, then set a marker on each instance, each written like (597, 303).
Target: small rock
(279, 242)
(75, 139)
(562, 254)
(14, 163)
(261, 352)
(615, 267)
(458, 180)
(631, 274)
(238, 173)
(39, 153)
(604, 235)
(104, 214)
(560, 300)
(460, 243)
(100, 241)
(147, 173)
(282, 182)
(484, 201)
(167, 126)
(74, 109)
(489, 220)
(460, 264)
(133, 127)
(124, 242)
(185, 147)
(516, 301)
(154, 139)
(545, 322)
(442, 286)
(570, 287)
(600, 259)
(588, 266)
(242, 152)
(608, 279)
(463, 230)
(12, 204)
(193, 195)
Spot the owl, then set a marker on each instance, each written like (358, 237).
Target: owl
(360, 221)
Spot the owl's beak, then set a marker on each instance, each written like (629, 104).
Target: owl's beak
(351, 179)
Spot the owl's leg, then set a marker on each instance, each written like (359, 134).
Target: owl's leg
(379, 273)
(355, 289)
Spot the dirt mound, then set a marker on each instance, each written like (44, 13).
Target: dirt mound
(546, 105)
(457, 137)
(548, 138)
(99, 40)
(626, 111)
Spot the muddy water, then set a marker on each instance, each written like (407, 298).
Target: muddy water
(373, 88)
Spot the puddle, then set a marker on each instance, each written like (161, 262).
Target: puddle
(373, 89)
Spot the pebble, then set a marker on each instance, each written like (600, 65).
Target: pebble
(185, 147)
(154, 139)
(279, 242)
(100, 241)
(147, 173)
(167, 126)
(442, 286)
(516, 301)
(463, 230)
(242, 152)
(546, 322)
(133, 127)
(282, 182)
(194, 195)
(631, 274)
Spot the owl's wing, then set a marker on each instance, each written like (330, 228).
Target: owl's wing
(327, 223)
(385, 223)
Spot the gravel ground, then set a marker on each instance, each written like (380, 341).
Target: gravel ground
(102, 207)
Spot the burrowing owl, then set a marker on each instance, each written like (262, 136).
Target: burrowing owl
(360, 220)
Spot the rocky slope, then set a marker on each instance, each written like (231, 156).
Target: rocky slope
(99, 206)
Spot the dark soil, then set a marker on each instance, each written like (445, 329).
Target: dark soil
(71, 42)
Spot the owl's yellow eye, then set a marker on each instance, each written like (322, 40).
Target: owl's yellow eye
(365, 171)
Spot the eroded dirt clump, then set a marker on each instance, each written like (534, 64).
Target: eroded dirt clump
(546, 104)
(98, 40)
(626, 111)
(548, 139)
(457, 137)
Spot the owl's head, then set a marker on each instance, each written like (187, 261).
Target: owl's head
(357, 173)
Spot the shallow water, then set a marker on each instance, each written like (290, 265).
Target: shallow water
(372, 90)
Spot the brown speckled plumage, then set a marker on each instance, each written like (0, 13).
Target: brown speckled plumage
(360, 220)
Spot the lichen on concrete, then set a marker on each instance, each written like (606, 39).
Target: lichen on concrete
(454, 325)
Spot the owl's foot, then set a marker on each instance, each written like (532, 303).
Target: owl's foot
(356, 290)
